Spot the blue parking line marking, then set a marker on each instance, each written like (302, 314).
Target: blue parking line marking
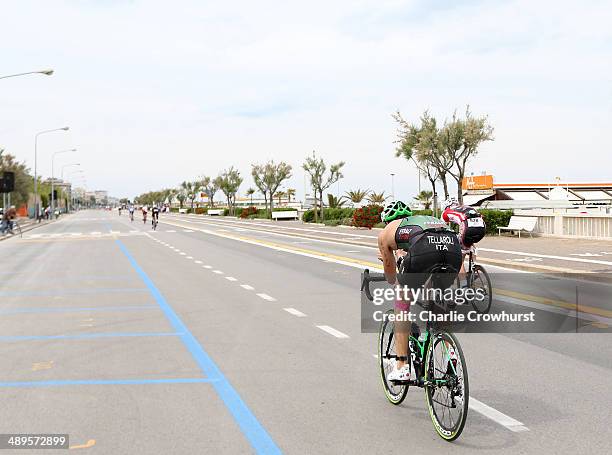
(78, 310)
(79, 336)
(47, 293)
(30, 384)
(246, 420)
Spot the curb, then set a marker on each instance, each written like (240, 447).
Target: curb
(29, 227)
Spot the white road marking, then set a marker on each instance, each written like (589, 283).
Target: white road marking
(332, 331)
(547, 256)
(171, 230)
(351, 251)
(218, 272)
(189, 257)
(295, 312)
(95, 233)
(198, 262)
(181, 253)
(231, 278)
(586, 255)
(247, 287)
(208, 266)
(266, 297)
(76, 233)
(186, 230)
(499, 417)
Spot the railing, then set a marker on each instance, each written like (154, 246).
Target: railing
(579, 225)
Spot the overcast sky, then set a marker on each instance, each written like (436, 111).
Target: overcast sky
(156, 92)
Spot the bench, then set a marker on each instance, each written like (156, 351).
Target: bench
(520, 223)
(285, 215)
(182, 211)
(215, 212)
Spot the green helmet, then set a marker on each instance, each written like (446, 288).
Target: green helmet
(395, 210)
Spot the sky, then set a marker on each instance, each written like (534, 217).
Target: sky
(158, 92)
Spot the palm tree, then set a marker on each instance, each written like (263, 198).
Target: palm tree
(357, 196)
(377, 198)
(280, 194)
(334, 202)
(250, 192)
(290, 192)
(425, 198)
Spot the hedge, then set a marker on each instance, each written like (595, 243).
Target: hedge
(495, 218)
(329, 214)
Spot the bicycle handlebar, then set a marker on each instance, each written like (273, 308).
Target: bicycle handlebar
(365, 284)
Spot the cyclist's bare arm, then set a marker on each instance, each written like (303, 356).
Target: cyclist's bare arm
(387, 246)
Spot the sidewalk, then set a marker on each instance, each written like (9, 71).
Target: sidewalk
(26, 224)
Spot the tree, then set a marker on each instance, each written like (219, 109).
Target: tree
(181, 196)
(229, 182)
(460, 139)
(191, 190)
(250, 192)
(334, 202)
(23, 181)
(316, 169)
(425, 198)
(357, 196)
(210, 187)
(280, 195)
(269, 177)
(290, 193)
(377, 198)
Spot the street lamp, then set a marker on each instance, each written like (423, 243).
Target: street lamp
(45, 72)
(73, 172)
(53, 178)
(77, 171)
(36, 163)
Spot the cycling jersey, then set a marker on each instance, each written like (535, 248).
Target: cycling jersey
(471, 224)
(430, 245)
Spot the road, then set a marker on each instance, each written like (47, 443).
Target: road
(216, 336)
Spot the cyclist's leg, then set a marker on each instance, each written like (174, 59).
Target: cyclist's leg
(402, 331)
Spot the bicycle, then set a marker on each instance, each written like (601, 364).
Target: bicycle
(132, 216)
(154, 223)
(478, 278)
(445, 382)
(9, 228)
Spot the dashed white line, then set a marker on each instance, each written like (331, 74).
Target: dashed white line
(181, 253)
(218, 272)
(189, 257)
(266, 297)
(230, 278)
(197, 262)
(332, 331)
(186, 230)
(295, 312)
(499, 417)
(208, 266)
(171, 230)
(247, 287)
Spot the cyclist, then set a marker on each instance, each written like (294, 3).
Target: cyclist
(154, 214)
(131, 210)
(145, 210)
(7, 219)
(471, 226)
(411, 246)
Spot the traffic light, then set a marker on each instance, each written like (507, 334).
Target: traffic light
(7, 182)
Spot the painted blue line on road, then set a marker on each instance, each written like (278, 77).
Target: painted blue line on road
(246, 420)
(58, 292)
(29, 384)
(78, 310)
(78, 336)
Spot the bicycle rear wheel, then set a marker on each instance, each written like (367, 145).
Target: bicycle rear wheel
(395, 393)
(447, 388)
(18, 230)
(481, 283)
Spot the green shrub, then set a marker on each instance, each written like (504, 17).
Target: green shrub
(495, 218)
(423, 212)
(174, 209)
(329, 214)
(367, 216)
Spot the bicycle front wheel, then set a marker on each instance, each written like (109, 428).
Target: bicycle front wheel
(395, 393)
(481, 283)
(446, 385)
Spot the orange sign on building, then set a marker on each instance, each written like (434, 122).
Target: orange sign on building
(477, 182)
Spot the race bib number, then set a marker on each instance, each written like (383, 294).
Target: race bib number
(475, 222)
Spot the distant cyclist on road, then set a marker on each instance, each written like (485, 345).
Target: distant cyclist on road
(154, 214)
(411, 246)
(131, 210)
(471, 226)
(145, 210)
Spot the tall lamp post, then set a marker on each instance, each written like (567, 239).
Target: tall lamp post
(36, 164)
(53, 178)
(45, 72)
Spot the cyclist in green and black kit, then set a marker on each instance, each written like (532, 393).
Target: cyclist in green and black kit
(411, 246)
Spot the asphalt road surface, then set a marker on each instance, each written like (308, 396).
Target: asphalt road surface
(216, 336)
